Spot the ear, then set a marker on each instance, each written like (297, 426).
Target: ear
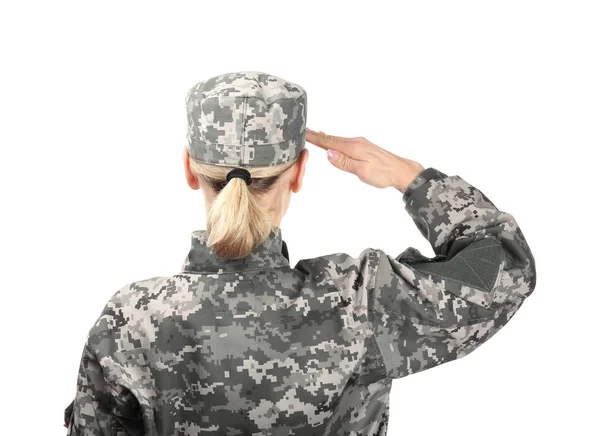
(300, 170)
(192, 181)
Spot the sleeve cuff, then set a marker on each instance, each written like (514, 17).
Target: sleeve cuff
(422, 178)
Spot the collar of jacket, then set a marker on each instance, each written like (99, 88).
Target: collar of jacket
(270, 253)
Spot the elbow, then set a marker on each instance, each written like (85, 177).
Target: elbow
(529, 269)
(525, 277)
(520, 261)
(531, 275)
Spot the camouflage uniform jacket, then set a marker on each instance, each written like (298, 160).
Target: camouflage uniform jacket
(255, 347)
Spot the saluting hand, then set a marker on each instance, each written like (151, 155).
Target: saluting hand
(370, 163)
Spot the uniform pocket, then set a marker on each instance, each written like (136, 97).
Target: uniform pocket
(472, 273)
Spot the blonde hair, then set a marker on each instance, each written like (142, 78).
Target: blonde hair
(235, 221)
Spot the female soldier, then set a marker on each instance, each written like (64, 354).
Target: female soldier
(241, 343)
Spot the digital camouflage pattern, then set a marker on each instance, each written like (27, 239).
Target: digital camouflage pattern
(255, 347)
(246, 119)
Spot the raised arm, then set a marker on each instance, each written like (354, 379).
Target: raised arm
(424, 311)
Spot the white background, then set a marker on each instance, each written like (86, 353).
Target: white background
(504, 94)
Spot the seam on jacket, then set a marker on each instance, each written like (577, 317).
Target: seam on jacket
(360, 362)
(448, 324)
(371, 308)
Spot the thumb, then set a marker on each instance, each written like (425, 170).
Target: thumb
(341, 161)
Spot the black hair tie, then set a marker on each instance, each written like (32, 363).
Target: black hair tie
(242, 173)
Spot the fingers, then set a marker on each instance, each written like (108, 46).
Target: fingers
(346, 154)
(345, 163)
(331, 142)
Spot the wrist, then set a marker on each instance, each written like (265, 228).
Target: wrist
(421, 179)
(408, 172)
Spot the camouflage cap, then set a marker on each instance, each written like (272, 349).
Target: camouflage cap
(246, 119)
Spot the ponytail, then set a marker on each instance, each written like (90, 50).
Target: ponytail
(235, 222)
